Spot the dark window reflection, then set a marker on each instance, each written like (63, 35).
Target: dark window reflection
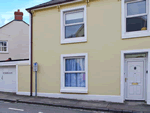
(74, 31)
(74, 21)
(2, 43)
(136, 23)
(4, 49)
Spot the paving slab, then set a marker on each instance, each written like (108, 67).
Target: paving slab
(93, 104)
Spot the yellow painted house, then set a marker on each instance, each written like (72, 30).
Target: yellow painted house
(89, 50)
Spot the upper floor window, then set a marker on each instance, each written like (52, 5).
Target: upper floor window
(73, 25)
(3, 46)
(135, 18)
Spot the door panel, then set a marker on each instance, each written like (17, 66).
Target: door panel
(135, 82)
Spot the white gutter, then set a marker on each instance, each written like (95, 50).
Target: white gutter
(57, 5)
(13, 63)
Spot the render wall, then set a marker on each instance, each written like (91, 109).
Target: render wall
(17, 35)
(24, 78)
(104, 45)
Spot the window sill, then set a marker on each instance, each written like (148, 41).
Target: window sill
(136, 34)
(74, 40)
(4, 53)
(74, 91)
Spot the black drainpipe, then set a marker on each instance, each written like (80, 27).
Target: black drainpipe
(31, 66)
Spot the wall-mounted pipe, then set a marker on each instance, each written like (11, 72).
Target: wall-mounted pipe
(31, 41)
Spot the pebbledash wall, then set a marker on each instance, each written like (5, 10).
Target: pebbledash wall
(104, 45)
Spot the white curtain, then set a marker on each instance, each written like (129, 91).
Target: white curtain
(75, 79)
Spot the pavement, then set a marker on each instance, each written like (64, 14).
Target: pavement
(127, 107)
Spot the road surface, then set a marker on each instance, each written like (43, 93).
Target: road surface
(7, 107)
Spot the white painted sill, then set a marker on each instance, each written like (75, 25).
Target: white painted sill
(3, 52)
(74, 40)
(136, 34)
(74, 91)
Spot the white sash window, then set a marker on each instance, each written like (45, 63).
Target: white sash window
(73, 25)
(3, 46)
(74, 73)
(135, 18)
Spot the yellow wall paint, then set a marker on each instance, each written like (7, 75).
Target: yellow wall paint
(24, 78)
(104, 47)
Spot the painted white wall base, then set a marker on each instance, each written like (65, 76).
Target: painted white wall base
(148, 101)
(7, 90)
(108, 98)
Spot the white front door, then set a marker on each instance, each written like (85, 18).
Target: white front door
(135, 79)
(8, 79)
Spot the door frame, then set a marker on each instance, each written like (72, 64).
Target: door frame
(144, 76)
(122, 80)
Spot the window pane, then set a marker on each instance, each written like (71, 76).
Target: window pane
(1, 44)
(77, 64)
(4, 48)
(136, 8)
(140, 55)
(74, 17)
(75, 80)
(136, 23)
(74, 31)
(4, 44)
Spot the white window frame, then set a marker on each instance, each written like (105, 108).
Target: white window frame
(74, 89)
(4, 46)
(77, 39)
(135, 34)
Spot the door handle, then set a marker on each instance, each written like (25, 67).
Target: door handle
(125, 79)
(2, 77)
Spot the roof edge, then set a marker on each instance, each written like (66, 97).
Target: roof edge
(11, 22)
(7, 24)
(52, 5)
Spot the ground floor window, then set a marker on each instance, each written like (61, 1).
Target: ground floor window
(74, 73)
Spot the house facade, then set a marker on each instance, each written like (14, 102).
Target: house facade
(90, 50)
(14, 51)
(14, 39)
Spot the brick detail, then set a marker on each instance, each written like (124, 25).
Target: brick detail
(18, 15)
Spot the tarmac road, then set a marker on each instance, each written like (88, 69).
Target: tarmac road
(7, 107)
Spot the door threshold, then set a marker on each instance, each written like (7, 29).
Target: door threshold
(135, 102)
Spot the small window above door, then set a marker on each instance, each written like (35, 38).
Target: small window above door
(137, 55)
